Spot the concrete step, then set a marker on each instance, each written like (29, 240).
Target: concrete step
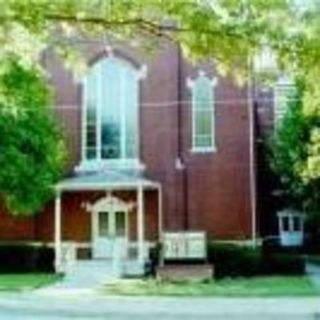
(89, 273)
(94, 273)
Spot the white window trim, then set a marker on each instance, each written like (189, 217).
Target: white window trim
(190, 85)
(203, 149)
(98, 163)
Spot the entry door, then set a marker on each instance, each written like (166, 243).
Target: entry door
(110, 234)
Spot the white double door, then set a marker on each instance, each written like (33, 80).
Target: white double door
(110, 233)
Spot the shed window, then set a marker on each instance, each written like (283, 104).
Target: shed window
(285, 224)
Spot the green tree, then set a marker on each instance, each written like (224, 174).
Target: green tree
(295, 160)
(32, 151)
(288, 150)
(295, 154)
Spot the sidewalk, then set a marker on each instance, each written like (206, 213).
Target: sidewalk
(85, 306)
(313, 272)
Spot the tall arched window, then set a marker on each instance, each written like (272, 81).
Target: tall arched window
(111, 93)
(203, 122)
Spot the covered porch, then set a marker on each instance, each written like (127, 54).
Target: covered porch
(111, 221)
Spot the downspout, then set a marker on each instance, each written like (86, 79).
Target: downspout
(181, 165)
(252, 163)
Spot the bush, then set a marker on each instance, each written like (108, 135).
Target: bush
(154, 257)
(26, 258)
(234, 261)
(241, 261)
(45, 259)
(312, 243)
(272, 245)
(283, 264)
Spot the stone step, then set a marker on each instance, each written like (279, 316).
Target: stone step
(89, 273)
(92, 273)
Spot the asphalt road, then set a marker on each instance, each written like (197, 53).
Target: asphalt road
(14, 316)
(17, 315)
(89, 306)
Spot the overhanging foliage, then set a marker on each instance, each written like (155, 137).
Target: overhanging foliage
(295, 151)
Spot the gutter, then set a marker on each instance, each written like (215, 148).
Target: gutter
(181, 159)
(252, 153)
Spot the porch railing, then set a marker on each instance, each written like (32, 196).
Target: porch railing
(68, 255)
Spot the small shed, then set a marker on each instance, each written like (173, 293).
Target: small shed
(291, 227)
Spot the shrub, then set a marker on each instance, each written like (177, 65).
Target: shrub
(312, 243)
(26, 258)
(283, 264)
(154, 257)
(234, 261)
(272, 246)
(45, 259)
(241, 261)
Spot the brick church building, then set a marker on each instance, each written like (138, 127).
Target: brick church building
(156, 144)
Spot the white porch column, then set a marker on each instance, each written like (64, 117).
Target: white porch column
(99, 95)
(57, 232)
(140, 224)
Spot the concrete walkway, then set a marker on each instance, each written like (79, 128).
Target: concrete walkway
(86, 303)
(90, 306)
(84, 276)
(313, 272)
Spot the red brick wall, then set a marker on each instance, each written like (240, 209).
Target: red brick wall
(218, 182)
(15, 228)
(76, 220)
(213, 191)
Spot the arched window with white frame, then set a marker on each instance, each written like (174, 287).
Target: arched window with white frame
(111, 112)
(203, 113)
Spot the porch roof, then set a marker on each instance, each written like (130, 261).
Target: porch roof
(106, 180)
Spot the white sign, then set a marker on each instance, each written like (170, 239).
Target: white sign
(184, 245)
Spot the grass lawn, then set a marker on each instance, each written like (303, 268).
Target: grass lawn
(250, 287)
(28, 281)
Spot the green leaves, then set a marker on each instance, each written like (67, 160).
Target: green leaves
(288, 148)
(32, 151)
(295, 154)
(227, 31)
(311, 171)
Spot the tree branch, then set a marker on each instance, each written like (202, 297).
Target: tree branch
(158, 29)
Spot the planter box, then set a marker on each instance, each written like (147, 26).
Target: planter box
(184, 272)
